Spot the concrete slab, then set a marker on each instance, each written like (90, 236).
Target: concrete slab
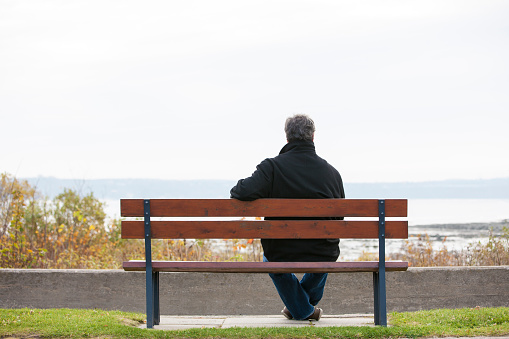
(187, 322)
(279, 321)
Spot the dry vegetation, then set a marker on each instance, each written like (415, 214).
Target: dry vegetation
(420, 253)
(72, 231)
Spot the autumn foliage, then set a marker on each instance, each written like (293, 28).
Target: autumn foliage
(72, 231)
(421, 252)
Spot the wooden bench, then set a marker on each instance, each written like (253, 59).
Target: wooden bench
(219, 228)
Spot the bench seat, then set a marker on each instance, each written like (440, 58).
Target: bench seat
(265, 267)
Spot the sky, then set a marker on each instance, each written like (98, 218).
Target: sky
(198, 89)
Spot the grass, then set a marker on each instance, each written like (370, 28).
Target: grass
(67, 323)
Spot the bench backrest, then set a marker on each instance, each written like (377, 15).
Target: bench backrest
(197, 211)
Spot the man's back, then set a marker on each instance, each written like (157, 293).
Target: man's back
(297, 172)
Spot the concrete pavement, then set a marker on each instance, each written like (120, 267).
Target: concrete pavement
(187, 322)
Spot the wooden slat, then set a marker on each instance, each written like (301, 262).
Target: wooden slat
(263, 208)
(265, 267)
(269, 229)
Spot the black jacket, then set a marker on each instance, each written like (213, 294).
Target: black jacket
(297, 172)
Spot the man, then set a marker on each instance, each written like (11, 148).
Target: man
(297, 172)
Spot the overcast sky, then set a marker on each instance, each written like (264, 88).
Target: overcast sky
(398, 90)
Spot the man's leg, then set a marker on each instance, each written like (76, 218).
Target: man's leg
(313, 284)
(293, 295)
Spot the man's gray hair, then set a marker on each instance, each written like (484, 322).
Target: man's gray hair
(299, 127)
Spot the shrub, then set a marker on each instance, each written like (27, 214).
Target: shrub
(72, 231)
(421, 253)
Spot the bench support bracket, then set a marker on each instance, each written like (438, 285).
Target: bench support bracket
(380, 308)
(152, 278)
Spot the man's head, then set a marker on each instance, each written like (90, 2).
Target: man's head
(299, 127)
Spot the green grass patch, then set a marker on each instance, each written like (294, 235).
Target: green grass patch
(71, 323)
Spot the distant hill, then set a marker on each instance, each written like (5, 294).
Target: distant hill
(153, 188)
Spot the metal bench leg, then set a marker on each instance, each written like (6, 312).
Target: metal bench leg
(150, 297)
(380, 299)
(157, 313)
(376, 289)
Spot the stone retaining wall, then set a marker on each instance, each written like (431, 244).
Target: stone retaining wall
(251, 294)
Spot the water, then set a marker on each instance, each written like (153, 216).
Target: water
(453, 223)
(456, 211)
(461, 221)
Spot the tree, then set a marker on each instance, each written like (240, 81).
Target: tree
(13, 196)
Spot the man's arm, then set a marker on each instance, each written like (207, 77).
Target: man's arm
(258, 185)
(341, 189)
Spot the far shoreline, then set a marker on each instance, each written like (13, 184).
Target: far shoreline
(497, 226)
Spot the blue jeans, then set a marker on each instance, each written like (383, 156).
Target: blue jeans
(299, 297)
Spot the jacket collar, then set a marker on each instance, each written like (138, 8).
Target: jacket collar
(298, 145)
